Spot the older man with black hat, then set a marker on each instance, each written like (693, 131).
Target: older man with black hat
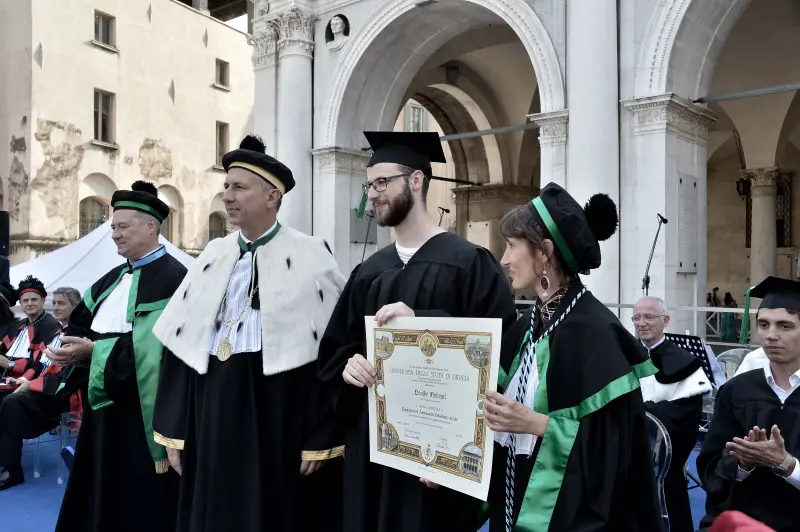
(240, 409)
(426, 272)
(748, 461)
(21, 350)
(572, 450)
(121, 479)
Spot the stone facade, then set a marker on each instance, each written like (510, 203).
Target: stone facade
(159, 64)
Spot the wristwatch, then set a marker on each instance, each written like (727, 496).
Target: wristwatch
(783, 468)
(12, 364)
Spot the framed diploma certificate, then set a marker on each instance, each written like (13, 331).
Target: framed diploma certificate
(426, 409)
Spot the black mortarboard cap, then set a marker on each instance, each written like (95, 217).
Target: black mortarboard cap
(142, 197)
(413, 149)
(776, 292)
(252, 156)
(575, 230)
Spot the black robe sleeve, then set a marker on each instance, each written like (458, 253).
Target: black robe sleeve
(324, 439)
(343, 338)
(715, 465)
(175, 390)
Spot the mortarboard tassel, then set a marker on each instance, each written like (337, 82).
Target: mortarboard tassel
(362, 205)
(746, 318)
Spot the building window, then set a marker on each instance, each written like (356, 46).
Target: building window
(168, 227)
(103, 116)
(783, 213)
(221, 77)
(222, 141)
(93, 214)
(217, 226)
(104, 29)
(416, 119)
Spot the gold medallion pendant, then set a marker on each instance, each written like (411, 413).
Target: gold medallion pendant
(225, 350)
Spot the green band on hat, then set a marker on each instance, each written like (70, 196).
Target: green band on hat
(139, 207)
(540, 207)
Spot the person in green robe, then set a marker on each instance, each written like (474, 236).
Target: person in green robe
(572, 450)
(121, 479)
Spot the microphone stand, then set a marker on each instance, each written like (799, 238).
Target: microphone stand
(441, 215)
(646, 278)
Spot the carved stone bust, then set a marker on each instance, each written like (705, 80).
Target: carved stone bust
(337, 33)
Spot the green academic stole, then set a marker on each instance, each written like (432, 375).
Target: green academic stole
(547, 476)
(147, 352)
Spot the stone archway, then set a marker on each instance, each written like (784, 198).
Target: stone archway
(374, 82)
(681, 46)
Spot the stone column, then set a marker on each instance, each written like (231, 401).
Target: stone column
(340, 172)
(265, 63)
(295, 113)
(664, 172)
(553, 146)
(593, 103)
(763, 236)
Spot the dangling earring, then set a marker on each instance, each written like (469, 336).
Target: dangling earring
(544, 282)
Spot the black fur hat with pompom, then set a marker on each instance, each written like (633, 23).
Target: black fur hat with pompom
(142, 197)
(576, 231)
(252, 156)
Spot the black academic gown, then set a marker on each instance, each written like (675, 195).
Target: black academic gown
(113, 484)
(681, 418)
(447, 276)
(243, 435)
(40, 334)
(608, 481)
(742, 403)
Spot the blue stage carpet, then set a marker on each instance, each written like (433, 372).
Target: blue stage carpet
(36, 502)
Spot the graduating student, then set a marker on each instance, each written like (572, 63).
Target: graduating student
(675, 396)
(240, 408)
(22, 348)
(427, 272)
(121, 479)
(572, 447)
(748, 458)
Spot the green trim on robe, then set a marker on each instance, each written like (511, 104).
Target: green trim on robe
(148, 352)
(98, 398)
(133, 293)
(547, 476)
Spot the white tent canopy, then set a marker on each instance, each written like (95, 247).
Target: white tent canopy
(82, 262)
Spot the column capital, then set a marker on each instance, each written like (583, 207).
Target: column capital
(265, 44)
(763, 181)
(552, 126)
(672, 114)
(336, 158)
(296, 30)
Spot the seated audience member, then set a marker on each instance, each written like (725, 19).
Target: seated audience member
(747, 462)
(675, 396)
(22, 347)
(33, 409)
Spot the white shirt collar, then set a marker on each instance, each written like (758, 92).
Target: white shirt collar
(265, 233)
(650, 348)
(794, 379)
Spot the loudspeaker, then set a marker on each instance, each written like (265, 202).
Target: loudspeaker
(5, 234)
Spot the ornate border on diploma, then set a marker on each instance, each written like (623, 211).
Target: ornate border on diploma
(477, 348)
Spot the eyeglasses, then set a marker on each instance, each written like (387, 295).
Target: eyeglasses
(646, 317)
(380, 183)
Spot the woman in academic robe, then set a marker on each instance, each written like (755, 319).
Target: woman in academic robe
(572, 450)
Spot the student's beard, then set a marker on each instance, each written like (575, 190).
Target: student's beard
(397, 209)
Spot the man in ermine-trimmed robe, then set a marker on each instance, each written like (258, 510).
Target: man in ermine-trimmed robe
(121, 479)
(240, 407)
